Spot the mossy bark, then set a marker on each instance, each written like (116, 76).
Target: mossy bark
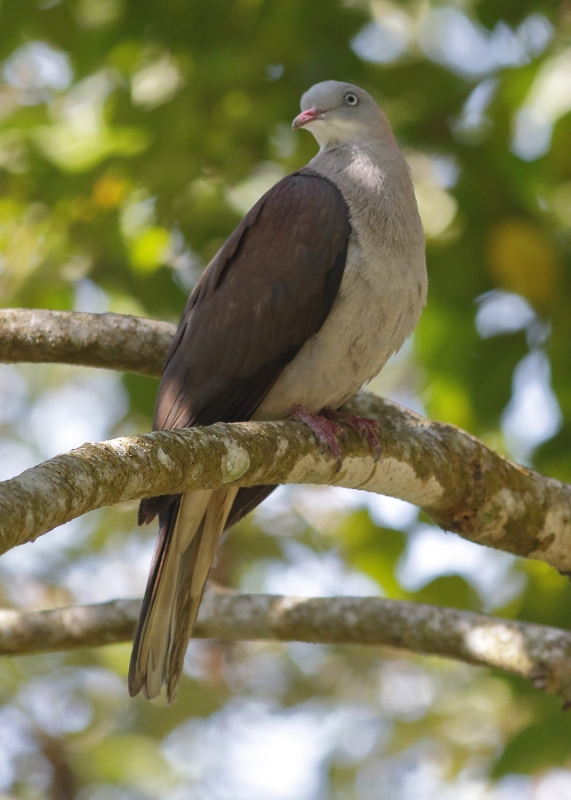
(535, 652)
(457, 480)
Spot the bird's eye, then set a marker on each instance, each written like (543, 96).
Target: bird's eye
(351, 99)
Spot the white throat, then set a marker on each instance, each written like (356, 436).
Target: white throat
(331, 134)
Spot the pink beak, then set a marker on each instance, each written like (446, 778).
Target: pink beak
(306, 116)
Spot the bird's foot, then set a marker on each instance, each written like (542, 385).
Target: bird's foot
(325, 429)
(368, 429)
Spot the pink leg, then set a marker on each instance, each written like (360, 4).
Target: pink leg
(369, 429)
(326, 430)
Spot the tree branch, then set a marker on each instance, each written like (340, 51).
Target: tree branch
(462, 484)
(112, 341)
(536, 652)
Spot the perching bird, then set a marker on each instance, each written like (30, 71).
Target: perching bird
(321, 282)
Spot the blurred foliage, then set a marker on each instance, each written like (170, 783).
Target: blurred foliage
(133, 136)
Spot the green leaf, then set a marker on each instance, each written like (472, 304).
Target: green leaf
(539, 746)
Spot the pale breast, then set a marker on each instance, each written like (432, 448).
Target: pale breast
(378, 306)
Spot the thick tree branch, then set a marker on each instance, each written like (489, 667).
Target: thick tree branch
(536, 652)
(462, 484)
(112, 341)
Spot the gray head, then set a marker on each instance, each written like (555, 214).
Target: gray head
(338, 113)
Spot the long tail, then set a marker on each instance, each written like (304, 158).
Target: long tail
(189, 533)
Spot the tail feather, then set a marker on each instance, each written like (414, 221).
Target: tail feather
(194, 567)
(188, 537)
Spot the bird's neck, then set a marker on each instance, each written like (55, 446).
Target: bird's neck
(374, 178)
(369, 165)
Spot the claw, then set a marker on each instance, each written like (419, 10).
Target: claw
(368, 429)
(326, 430)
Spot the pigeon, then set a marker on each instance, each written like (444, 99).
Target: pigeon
(322, 281)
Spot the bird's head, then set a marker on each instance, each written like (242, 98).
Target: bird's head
(340, 113)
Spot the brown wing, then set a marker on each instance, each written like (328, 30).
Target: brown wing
(267, 290)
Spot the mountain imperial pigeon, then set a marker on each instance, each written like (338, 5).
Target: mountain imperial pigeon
(321, 282)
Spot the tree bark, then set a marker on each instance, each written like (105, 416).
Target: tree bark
(111, 341)
(463, 485)
(536, 652)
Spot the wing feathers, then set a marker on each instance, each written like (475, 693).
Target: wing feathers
(268, 289)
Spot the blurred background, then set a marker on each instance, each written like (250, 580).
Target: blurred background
(133, 137)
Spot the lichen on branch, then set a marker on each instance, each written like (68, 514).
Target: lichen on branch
(111, 341)
(461, 483)
(535, 652)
